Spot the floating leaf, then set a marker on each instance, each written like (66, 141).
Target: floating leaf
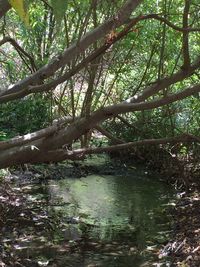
(19, 6)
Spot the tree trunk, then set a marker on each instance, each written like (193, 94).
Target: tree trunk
(4, 7)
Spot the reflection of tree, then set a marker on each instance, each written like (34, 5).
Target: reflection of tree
(120, 208)
(139, 203)
(61, 191)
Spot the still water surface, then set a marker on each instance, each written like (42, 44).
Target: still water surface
(110, 220)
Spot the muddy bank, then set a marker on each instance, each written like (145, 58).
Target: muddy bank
(179, 165)
(21, 220)
(39, 173)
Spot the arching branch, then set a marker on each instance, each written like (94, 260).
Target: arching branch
(186, 53)
(77, 48)
(20, 51)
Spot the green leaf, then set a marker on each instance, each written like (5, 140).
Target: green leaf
(59, 8)
(21, 10)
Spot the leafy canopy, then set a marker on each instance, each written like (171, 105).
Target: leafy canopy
(21, 7)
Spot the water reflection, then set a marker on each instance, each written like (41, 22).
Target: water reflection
(105, 220)
(127, 208)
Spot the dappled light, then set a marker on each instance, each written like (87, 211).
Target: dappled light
(99, 115)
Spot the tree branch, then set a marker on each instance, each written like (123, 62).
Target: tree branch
(186, 53)
(83, 125)
(163, 141)
(20, 50)
(106, 133)
(165, 82)
(4, 7)
(79, 154)
(27, 138)
(7, 96)
(37, 151)
(77, 48)
(184, 29)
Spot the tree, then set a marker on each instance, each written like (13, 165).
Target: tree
(93, 46)
(5, 6)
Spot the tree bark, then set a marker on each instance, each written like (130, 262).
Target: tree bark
(50, 144)
(76, 49)
(49, 147)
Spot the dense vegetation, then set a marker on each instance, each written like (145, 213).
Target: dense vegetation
(88, 77)
(77, 71)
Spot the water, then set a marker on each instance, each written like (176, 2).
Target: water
(113, 204)
(106, 220)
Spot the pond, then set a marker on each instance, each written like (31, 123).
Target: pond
(109, 220)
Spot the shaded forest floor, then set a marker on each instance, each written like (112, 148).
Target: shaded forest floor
(183, 172)
(184, 246)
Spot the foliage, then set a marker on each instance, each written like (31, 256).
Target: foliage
(24, 116)
(59, 9)
(20, 7)
(149, 52)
